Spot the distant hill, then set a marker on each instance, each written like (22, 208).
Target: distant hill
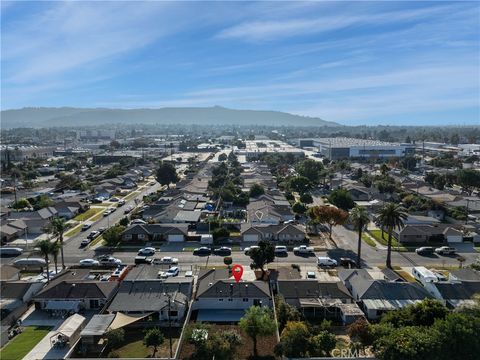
(65, 116)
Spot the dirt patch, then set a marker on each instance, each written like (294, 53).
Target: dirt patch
(265, 345)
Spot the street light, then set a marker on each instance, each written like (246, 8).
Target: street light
(169, 324)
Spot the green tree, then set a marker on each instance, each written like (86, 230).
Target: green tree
(423, 313)
(469, 179)
(124, 221)
(42, 202)
(112, 235)
(299, 208)
(322, 344)
(310, 169)
(306, 198)
(294, 340)
(45, 246)
(359, 331)
(256, 190)
(21, 204)
(342, 199)
(153, 338)
(222, 157)
(166, 174)
(223, 345)
(391, 217)
(359, 218)
(258, 321)
(220, 233)
(328, 215)
(264, 254)
(54, 251)
(285, 312)
(57, 227)
(115, 338)
(299, 184)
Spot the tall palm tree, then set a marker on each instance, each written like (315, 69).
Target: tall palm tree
(44, 247)
(391, 217)
(57, 228)
(359, 218)
(54, 250)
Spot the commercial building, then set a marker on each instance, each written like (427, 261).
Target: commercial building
(343, 148)
(256, 148)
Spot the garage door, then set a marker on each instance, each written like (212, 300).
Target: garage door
(250, 237)
(175, 238)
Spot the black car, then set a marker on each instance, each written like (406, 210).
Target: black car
(202, 251)
(142, 260)
(348, 262)
(223, 251)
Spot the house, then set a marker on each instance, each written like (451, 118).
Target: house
(280, 232)
(377, 296)
(261, 211)
(11, 230)
(464, 274)
(15, 299)
(428, 233)
(219, 298)
(105, 190)
(420, 220)
(454, 293)
(453, 235)
(358, 193)
(73, 291)
(185, 216)
(36, 221)
(320, 299)
(156, 232)
(159, 299)
(9, 273)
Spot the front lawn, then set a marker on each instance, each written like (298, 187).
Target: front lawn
(134, 348)
(367, 239)
(23, 343)
(377, 235)
(73, 231)
(131, 195)
(87, 214)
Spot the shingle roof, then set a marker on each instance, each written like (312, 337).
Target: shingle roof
(14, 289)
(465, 274)
(458, 291)
(380, 289)
(79, 290)
(313, 289)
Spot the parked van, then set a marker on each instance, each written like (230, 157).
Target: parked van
(10, 251)
(30, 263)
(423, 275)
(326, 261)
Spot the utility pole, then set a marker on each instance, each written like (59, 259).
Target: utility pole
(466, 218)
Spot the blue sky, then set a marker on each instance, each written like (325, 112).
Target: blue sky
(412, 63)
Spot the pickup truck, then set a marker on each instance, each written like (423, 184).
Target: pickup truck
(303, 249)
(445, 250)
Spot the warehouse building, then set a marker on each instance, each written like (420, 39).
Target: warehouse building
(343, 148)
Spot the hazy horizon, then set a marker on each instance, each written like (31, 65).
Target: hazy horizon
(354, 63)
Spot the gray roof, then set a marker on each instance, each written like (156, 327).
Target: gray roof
(458, 291)
(313, 289)
(346, 274)
(14, 289)
(149, 295)
(78, 290)
(98, 325)
(465, 274)
(217, 284)
(187, 216)
(381, 289)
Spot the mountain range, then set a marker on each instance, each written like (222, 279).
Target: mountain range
(70, 116)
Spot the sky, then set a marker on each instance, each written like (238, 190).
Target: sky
(381, 62)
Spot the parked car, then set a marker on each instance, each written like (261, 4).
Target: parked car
(202, 251)
(326, 261)
(93, 235)
(173, 271)
(424, 250)
(98, 200)
(114, 199)
(223, 251)
(107, 260)
(303, 250)
(146, 251)
(121, 202)
(281, 250)
(166, 260)
(89, 263)
(10, 251)
(250, 248)
(142, 260)
(188, 273)
(30, 263)
(446, 250)
(311, 275)
(101, 229)
(85, 242)
(86, 226)
(348, 262)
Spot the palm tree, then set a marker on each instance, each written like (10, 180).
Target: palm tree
(391, 217)
(44, 247)
(57, 228)
(54, 250)
(359, 218)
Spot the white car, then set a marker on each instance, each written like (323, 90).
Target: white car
(89, 262)
(166, 260)
(146, 251)
(281, 250)
(109, 261)
(303, 249)
(85, 242)
(326, 261)
(250, 248)
(173, 271)
(311, 275)
(446, 250)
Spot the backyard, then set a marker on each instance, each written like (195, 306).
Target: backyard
(23, 343)
(134, 347)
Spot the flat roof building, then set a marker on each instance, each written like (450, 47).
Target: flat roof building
(255, 148)
(343, 148)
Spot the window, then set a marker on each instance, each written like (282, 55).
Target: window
(220, 299)
(94, 304)
(230, 299)
(174, 313)
(245, 299)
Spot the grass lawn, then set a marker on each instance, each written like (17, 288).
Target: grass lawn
(406, 275)
(73, 231)
(367, 239)
(377, 235)
(96, 241)
(97, 217)
(131, 195)
(87, 214)
(134, 347)
(23, 343)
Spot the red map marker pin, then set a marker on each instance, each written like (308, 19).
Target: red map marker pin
(237, 271)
